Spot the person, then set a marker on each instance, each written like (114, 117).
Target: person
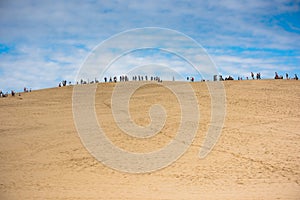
(229, 78)
(12, 93)
(287, 76)
(277, 76)
(64, 82)
(252, 75)
(105, 79)
(221, 78)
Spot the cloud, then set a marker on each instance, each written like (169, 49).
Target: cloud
(49, 40)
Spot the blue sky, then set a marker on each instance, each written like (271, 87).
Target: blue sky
(44, 42)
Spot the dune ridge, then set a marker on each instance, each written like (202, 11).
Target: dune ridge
(256, 157)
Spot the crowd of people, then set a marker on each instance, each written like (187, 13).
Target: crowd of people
(257, 77)
(277, 76)
(124, 78)
(13, 93)
(192, 79)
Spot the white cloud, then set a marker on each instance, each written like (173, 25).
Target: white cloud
(52, 38)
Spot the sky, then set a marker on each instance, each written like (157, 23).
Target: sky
(45, 42)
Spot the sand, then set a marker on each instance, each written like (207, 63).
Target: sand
(256, 157)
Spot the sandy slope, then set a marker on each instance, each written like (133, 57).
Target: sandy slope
(256, 157)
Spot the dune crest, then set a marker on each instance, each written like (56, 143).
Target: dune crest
(256, 156)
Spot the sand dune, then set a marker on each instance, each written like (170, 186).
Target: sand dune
(256, 157)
